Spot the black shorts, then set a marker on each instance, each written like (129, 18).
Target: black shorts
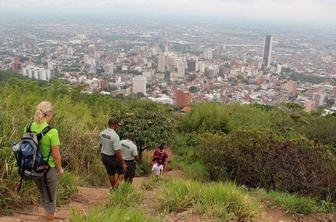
(130, 171)
(111, 165)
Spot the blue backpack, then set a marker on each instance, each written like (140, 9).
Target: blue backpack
(29, 156)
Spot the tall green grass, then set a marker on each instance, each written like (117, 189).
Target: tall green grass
(121, 208)
(67, 187)
(114, 214)
(152, 182)
(225, 202)
(125, 196)
(293, 203)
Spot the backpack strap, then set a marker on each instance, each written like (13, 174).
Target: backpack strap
(43, 133)
(28, 128)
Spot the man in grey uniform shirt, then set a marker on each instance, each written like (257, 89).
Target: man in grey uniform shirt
(111, 154)
(129, 152)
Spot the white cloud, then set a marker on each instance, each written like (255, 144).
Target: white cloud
(311, 10)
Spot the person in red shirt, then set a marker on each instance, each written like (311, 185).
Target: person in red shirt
(160, 155)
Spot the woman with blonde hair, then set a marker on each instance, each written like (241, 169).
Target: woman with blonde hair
(49, 145)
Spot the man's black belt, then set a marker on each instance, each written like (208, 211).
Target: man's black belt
(128, 161)
(107, 155)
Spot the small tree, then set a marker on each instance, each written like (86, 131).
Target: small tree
(151, 123)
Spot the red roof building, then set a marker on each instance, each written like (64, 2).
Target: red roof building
(182, 99)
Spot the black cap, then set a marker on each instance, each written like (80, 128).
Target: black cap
(113, 121)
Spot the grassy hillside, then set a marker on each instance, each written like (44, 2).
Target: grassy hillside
(79, 119)
(235, 158)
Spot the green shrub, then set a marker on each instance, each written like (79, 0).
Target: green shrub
(212, 155)
(186, 158)
(225, 202)
(321, 129)
(259, 158)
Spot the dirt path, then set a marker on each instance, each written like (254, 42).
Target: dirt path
(87, 198)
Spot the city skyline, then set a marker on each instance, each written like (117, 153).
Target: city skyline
(297, 10)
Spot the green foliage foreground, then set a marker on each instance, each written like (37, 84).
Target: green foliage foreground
(262, 159)
(79, 118)
(294, 204)
(222, 201)
(121, 207)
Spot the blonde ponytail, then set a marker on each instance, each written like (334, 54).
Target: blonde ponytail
(41, 111)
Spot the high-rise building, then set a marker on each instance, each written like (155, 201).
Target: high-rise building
(181, 68)
(139, 85)
(109, 69)
(191, 65)
(333, 92)
(291, 87)
(70, 51)
(92, 68)
(182, 99)
(267, 51)
(208, 53)
(319, 99)
(92, 51)
(278, 69)
(37, 73)
(16, 64)
(162, 63)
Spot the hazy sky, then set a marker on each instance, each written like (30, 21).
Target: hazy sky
(296, 10)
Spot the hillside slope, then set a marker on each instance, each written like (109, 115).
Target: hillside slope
(88, 199)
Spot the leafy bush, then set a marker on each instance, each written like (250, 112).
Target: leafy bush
(186, 158)
(206, 117)
(225, 202)
(321, 129)
(259, 158)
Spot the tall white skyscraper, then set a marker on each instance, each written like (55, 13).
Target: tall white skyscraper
(181, 66)
(139, 85)
(207, 53)
(267, 51)
(92, 51)
(162, 63)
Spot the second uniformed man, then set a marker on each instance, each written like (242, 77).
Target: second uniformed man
(129, 153)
